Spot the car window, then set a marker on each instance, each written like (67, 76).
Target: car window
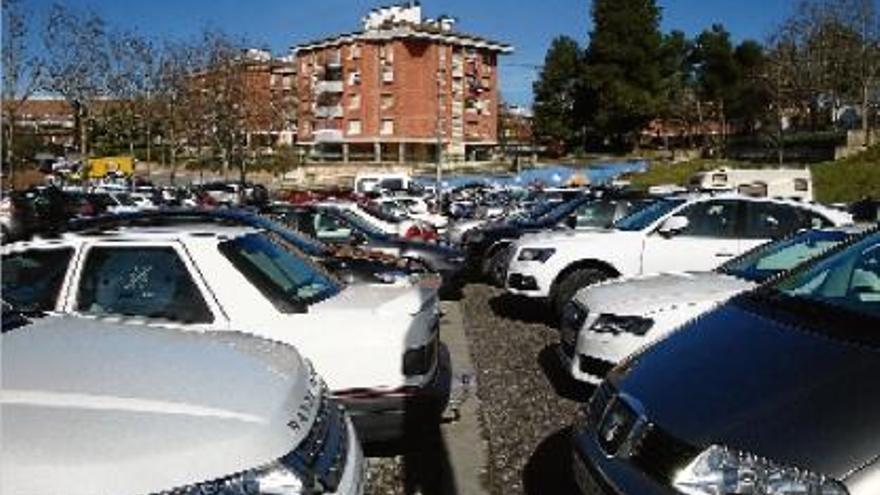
(150, 282)
(849, 279)
(715, 219)
(770, 259)
(645, 217)
(329, 227)
(288, 281)
(32, 279)
(771, 220)
(595, 214)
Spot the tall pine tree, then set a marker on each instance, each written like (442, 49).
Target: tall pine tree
(624, 76)
(556, 96)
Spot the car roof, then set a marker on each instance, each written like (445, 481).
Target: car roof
(176, 232)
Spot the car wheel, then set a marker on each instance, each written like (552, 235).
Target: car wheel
(564, 290)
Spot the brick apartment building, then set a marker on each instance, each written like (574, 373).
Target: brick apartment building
(398, 89)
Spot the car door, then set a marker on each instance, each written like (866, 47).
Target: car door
(330, 228)
(710, 239)
(151, 281)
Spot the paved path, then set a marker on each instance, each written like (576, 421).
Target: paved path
(465, 445)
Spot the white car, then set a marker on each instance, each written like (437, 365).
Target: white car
(377, 347)
(97, 407)
(381, 221)
(414, 208)
(675, 234)
(607, 322)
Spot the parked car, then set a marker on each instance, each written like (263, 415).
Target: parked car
(336, 227)
(676, 234)
(99, 407)
(487, 248)
(607, 322)
(413, 207)
(352, 265)
(384, 221)
(386, 368)
(771, 393)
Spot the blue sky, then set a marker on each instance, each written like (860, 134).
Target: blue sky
(526, 24)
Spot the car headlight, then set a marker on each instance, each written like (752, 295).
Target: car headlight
(617, 325)
(541, 255)
(722, 470)
(275, 479)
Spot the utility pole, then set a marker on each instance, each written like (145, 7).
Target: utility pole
(441, 79)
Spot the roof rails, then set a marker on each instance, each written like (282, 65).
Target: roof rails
(165, 217)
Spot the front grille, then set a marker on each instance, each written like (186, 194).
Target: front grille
(322, 454)
(661, 456)
(594, 366)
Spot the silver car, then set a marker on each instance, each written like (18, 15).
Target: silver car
(92, 407)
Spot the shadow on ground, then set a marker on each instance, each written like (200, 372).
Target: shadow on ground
(522, 309)
(549, 468)
(426, 466)
(563, 384)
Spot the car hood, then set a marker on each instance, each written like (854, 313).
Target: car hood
(655, 293)
(90, 407)
(764, 385)
(380, 300)
(552, 238)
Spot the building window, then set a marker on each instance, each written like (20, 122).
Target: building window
(355, 52)
(287, 82)
(387, 102)
(354, 127)
(387, 127)
(442, 54)
(354, 78)
(388, 75)
(273, 80)
(354, 101)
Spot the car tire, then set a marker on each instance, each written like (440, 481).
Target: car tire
(566, 288)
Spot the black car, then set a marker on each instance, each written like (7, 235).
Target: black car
(485, 247)
(337, 227)
(776, 392)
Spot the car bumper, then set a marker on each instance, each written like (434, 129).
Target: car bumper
(581, 369)
(527, 279)
(389, 416)
(353, 477)
(596, 473)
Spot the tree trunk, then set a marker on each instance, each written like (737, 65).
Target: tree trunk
(10, 154)
(83, 133)
(866, 122)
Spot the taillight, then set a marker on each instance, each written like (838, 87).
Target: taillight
(413, 232)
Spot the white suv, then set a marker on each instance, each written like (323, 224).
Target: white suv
(675, 234)
(609, 321)
(377, 347)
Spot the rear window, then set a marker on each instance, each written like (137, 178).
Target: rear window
(32, 279)
(290, 282)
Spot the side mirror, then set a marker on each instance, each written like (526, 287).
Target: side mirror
(673, 226)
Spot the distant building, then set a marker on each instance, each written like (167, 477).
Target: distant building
(50, 120)
(396, 89)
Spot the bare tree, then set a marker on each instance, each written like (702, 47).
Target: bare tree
(77, 63)
(22, 74)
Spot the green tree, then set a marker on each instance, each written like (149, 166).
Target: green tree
(624, 76)
(557, 94)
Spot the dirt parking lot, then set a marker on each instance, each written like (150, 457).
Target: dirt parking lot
(525, 402)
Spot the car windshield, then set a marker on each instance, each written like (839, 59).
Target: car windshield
(309, 246)
(559, 210)
(768, 260)
(359, 223)
(848, 280)
(646, 217)
(290, 282)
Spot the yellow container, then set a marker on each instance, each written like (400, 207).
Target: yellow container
(100, 167)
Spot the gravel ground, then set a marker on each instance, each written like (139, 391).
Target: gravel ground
(527, 401)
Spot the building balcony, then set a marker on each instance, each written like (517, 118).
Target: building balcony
(328, 135)
(327, 112)
(329, 87)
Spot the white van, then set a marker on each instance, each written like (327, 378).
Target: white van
(788, 183)
(369, 182)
